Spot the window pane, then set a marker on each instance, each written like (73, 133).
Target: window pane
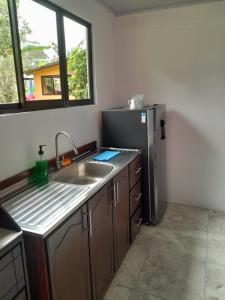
(39, 48)
(8, 84)
(57, 86)
(51, 85)
(47, 84)
(77, 59)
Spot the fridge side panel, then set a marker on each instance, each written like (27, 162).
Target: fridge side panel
(159, 149)
(151, 198)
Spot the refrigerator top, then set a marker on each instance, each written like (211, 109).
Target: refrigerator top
(126, 108)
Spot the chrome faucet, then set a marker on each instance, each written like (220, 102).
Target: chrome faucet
(58, 164)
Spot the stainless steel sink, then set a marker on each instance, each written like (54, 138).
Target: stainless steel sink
(83, 173)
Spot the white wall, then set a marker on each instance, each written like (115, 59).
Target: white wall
(20, 134)
(177, 56)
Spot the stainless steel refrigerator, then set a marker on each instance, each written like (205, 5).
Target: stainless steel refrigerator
(144, 129)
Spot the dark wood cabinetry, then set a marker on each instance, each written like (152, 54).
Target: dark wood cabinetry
(101, 241)
(135, 171)
(135, 197)
(69, 259)
(79, 259)
(135, 223)
(121, 215)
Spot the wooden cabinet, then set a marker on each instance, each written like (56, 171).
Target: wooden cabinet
(121, 215)
(135, 171)
(69, 259)
(135, 223)
(135, 197)
(79, 259)
(101, 241)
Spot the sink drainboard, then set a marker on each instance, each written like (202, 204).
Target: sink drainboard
(38, 207)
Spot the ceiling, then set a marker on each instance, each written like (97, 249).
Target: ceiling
(122, 7)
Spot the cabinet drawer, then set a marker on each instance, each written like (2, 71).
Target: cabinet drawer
(7, 280)
(10, 294)
(135, 223)
(17, 251)
(12, 277)
(5, 260)
(135, 198)
(18, 264)
(135, 171)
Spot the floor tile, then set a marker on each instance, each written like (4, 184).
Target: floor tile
(185, 218)
(142, 296)
(215, 282)
(168, 261)
(117, 293)
(174, 242)
(216, 249)
(172, 277)
(129, 270)
(217, 222)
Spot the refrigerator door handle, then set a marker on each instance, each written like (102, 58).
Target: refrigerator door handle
(163, 130)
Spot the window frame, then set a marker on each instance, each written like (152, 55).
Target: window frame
(64, 102)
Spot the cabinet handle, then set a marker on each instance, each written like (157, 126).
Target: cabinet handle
(138, 197)
(90, 223)
(84, 215)
(114, 195)
(117, 192)
(139, 223)
(138, 170)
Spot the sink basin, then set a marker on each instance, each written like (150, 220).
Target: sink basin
(83, 173)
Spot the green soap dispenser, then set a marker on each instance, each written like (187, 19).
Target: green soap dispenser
(41, 166)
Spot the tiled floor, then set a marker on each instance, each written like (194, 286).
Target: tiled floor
(183, 258)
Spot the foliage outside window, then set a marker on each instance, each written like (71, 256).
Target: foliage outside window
(77, 60)
(45, 44)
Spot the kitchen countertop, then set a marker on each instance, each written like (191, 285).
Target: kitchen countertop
(40, 210)
(7, 237)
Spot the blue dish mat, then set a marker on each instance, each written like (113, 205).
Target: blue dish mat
(106, 155)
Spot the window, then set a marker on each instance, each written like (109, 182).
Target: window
(45, 56)
(77, 59)
(39, 46)
(8, 83)
(51, 85)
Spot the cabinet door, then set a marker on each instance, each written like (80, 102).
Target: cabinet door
(121, 216)
(69, 259)
(101, 241)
